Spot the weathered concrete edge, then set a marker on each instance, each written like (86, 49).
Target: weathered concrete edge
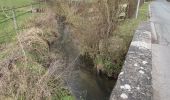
(134, 81)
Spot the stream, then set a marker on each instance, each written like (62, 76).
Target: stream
(83, 81)
(87, 85)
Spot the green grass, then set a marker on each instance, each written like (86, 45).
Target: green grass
(126, 31)
(68, 98)
(128, 27)
(14, 3)
(7, 31)
(8, 40)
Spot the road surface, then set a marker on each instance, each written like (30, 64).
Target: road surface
(160, 22)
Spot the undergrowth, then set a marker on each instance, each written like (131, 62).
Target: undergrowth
(30, 76)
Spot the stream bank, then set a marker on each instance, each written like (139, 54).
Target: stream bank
(81, 78)
(85, 84)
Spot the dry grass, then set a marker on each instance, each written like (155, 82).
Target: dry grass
(38, 79)
(19, 81)
(93, 24)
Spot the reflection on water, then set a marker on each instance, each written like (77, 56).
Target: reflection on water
(86, 85)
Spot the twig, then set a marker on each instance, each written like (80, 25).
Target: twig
(20, 43)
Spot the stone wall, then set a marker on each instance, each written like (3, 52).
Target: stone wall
(134, 81)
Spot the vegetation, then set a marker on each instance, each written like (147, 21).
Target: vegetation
(33, 59)
(93, 25)
(16, 3)
(26, 71)
(126, 29)
(100, 34)
(125, 32)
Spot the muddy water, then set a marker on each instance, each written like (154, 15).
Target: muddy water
(83, 81)
(86, 85)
